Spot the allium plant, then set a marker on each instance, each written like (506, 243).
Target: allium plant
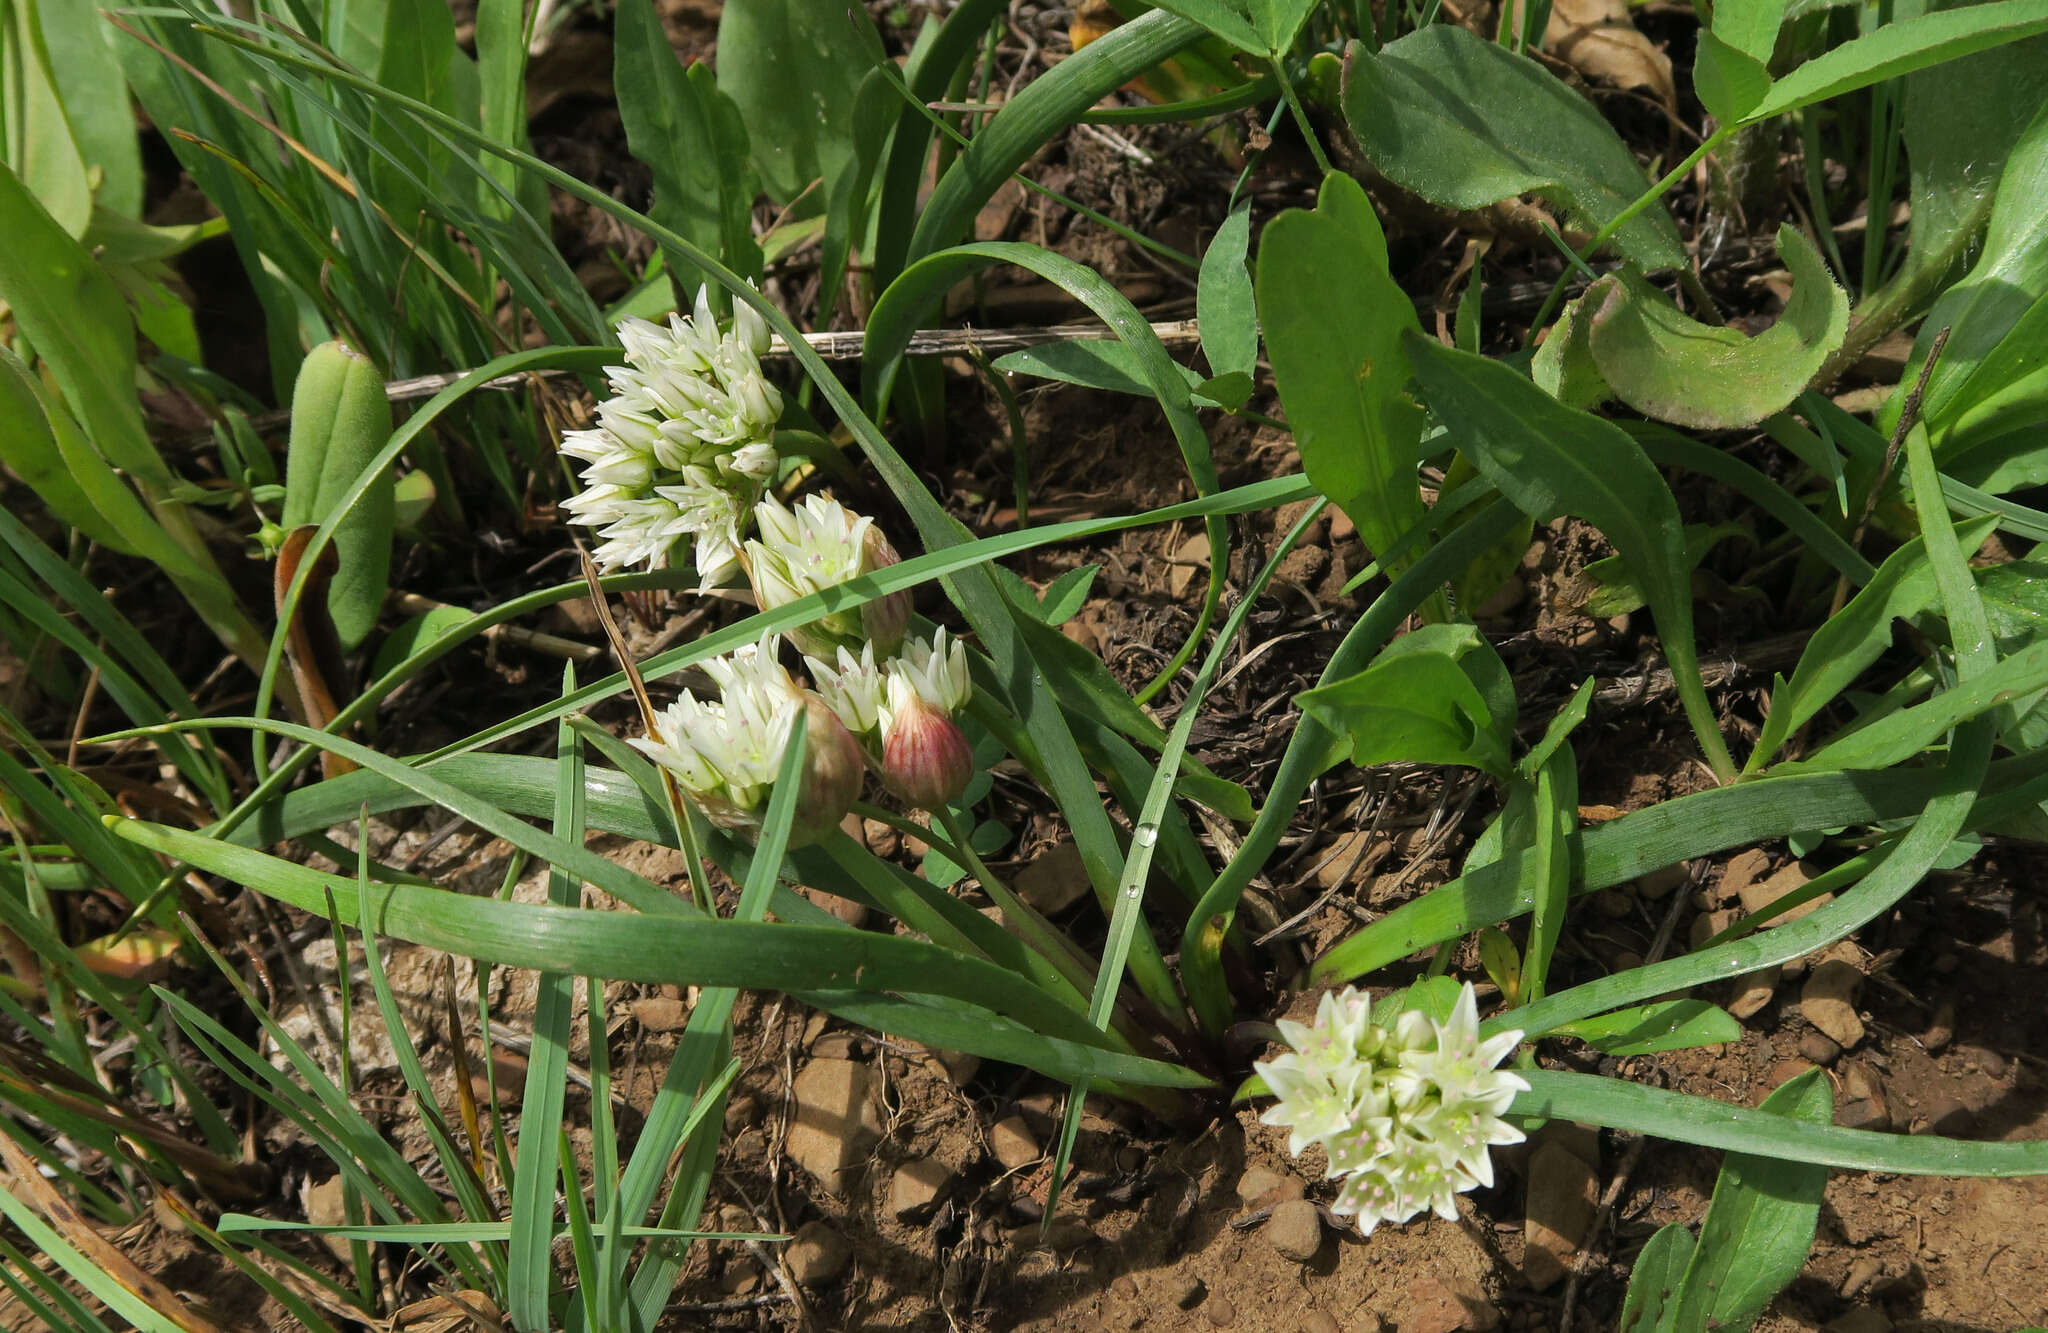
(1406, 1116)
(685, 448)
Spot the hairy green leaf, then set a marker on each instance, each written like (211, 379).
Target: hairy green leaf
(1670, 366)
(1465, 123)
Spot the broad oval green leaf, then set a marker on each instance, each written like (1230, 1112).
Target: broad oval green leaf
(1225, 18)
(1334, 317)
(1464, 123)
(1223, 298)
(1749, 26)
(1998, 337)
(794, 68)
(1431, 697)
(702, 185)
(1960, 122)
(1669, 366)
(1728, 79)
(30, 449)
(1653, 1282)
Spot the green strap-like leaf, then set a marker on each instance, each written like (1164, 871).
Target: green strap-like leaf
(1713, 1124)
(1550, 459)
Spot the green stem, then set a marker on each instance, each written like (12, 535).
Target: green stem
(1623, 218)
(1301, 120)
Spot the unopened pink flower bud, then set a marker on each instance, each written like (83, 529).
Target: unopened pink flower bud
(926, 761)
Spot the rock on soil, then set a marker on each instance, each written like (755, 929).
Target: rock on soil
(836, 1120)
(1263, 1187)
(1446, 1304)
(1295, 1229)
(1012, 1142)
(661, 1013)
(1828, 1001)
(916, 1186)
(1748, 995)
(1055, 880)
(1563, 1192)
(1759, 894)
(817, 1254)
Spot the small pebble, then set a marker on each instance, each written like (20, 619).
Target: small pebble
(817, 1254)
(1861, 1274)
(1828, 1001)
(1221, 1312)
(1989, 1061)
(1012, 1142)
(1256, 1183)
(1946, 1116)
(1820, 1048)
(1318, 1322)
(1295, 1230)
(1942, 1030)
(1783, 1072)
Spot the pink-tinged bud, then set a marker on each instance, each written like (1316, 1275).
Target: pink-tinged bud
(926, 761)
(886, 619)
(834, 769)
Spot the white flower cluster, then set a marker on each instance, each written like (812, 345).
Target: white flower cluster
(819, 545)
(726, 753)
(683, 447)
(1406, 1116)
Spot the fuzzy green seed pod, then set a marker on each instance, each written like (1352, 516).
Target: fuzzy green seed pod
(340, 420)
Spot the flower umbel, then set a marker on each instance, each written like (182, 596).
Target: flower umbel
(1406, 1116)
(819, 545)
(683, 446)
(726, 754)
